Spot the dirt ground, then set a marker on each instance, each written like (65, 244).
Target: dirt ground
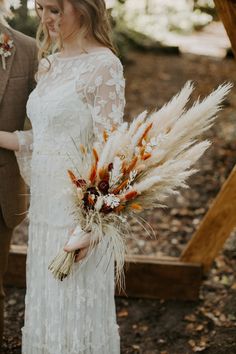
(173, 327)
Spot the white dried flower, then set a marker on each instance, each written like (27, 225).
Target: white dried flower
(111, 200)
(148, 149)
(152, 143)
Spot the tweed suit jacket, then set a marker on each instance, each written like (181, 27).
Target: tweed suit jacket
(16, 82)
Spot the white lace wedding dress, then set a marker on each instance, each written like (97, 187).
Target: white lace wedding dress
(73, 102)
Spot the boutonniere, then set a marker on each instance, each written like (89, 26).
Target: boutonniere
(6, 45)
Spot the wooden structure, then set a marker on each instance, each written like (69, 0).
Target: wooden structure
(227, 13)
(173, 278)
(168, 278)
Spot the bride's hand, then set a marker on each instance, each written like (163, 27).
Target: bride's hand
(78, 242)
(9, 141)
(82, 253)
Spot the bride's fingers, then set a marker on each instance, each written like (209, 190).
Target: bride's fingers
(77, 242)
(82, 253)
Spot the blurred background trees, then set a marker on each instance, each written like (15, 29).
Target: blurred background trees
(25, 19)
(144, 23)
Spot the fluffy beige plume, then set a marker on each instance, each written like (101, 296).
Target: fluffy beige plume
(167, 174)
(136, 123)
(137, 136)
(189, 126)
(195, 121)
(169, 113)
(117, 141)
(187, 158)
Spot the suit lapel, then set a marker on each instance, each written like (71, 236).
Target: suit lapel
(4, 74)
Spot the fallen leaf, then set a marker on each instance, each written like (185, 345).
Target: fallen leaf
(233, 286)
(199, 328)
(190, 318)
(123, 313)
(135, 346)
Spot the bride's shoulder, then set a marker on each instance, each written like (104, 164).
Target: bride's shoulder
(108, 58)
(107, 62)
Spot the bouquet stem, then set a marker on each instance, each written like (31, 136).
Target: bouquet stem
(61, 265)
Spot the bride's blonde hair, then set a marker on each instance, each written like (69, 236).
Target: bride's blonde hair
(94, 23)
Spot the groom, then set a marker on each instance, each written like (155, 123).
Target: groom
(16, 81)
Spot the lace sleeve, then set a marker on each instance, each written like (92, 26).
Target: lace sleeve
(105, 96)
(24, 154)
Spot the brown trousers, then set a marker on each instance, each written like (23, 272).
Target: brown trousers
(5, 239)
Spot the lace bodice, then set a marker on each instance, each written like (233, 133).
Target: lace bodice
(87, 89)
(74, 101)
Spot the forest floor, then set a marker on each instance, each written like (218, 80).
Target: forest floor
(173, 327)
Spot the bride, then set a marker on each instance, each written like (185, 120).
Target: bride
(79, 92)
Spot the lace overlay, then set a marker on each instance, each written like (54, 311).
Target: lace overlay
(73, 102)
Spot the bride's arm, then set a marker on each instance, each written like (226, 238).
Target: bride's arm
(105, 96)
(16, 141)
(9, 141)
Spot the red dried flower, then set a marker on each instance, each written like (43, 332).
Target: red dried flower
(110, 166)
(103, 186)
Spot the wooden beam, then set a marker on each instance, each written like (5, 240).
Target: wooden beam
(146, 277)
(227, 12)
(162, 278)
(215, 228)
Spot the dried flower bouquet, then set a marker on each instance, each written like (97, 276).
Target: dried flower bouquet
(137, 168)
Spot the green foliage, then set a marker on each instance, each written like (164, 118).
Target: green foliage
(28, 27)
(24, 20)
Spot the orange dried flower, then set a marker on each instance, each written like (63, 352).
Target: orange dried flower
(105, 136)
(103, 174)
(72, 176)
(95, 154)
(142, 151)
(124, 168)
(119, 208)
(136, 206)
(144, 134)
(132, 164)
(130, 195)
(90, 200)
(146, 156)
(121, 186)
(93, 174)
